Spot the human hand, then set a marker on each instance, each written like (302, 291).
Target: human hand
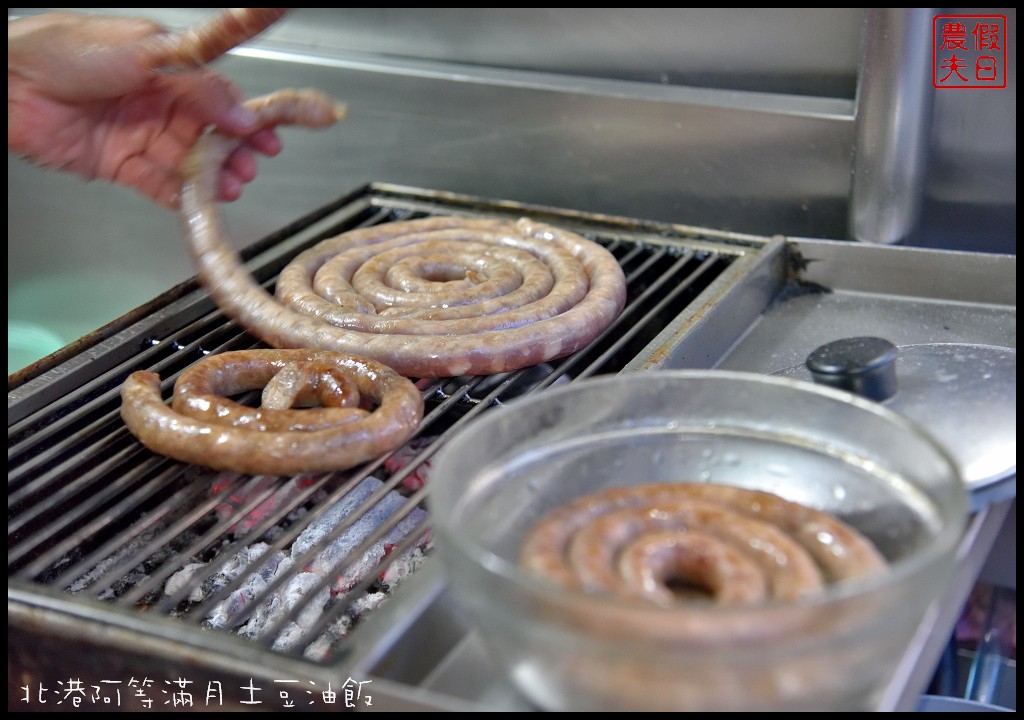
(82, 97)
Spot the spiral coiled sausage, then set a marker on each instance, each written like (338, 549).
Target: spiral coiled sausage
(663, 542)
(445, 296)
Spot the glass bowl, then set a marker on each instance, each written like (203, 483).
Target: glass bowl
(574, 650)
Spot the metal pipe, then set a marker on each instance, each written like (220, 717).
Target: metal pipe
(893, 117)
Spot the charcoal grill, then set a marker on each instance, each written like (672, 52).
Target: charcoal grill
(99, 528)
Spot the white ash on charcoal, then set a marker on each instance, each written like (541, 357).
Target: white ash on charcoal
(182, 579)
(227, 613)
(335, 559)
(138, 574)
(279, 605)
(322, 527)
(268, 567)
(399, 569)
(238, 564)
(404, 566)
(317, 586)
(322, 647)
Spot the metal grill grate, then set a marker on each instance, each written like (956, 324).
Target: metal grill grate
(94, 515)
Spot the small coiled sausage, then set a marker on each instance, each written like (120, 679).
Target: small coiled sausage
(366, 410)
(665, 542)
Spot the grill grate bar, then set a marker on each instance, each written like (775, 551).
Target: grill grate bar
(220, 529)
(105, 519)
(334, 614)
(67, 413)
(106, 435)
(167, 356)
(463, 391)
(351, 479)
(62, 492)
(490, 400)
(72, 429)
(321, 626)
(147, 531)
(666, 299)
(227, 553)
(175, 528)
(110, 440)
(238, 618)
(157, 577)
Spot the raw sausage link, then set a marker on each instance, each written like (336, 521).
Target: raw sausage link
(205, 427)
(733, 544)
(209, 39)
(439, 297)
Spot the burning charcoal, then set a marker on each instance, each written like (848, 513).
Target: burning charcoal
(368, 603)
(320, 649)
(243, 559)
(336, 548)
(322, 527)
(300, 586)
(403, 567)
(236, 494)
(406, 454)
(337, 557)
(225, 613)
(289, 637)
(236, 498)
(282, 602)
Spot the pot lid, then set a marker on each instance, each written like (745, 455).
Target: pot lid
(965, 395)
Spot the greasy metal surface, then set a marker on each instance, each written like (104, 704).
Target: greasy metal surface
(834, 290)
(908, 296)
(966, 395)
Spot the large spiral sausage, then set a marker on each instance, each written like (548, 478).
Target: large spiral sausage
(437, 297)
(666, 542)
(363, 410)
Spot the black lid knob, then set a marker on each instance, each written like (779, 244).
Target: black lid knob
(862, 365)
